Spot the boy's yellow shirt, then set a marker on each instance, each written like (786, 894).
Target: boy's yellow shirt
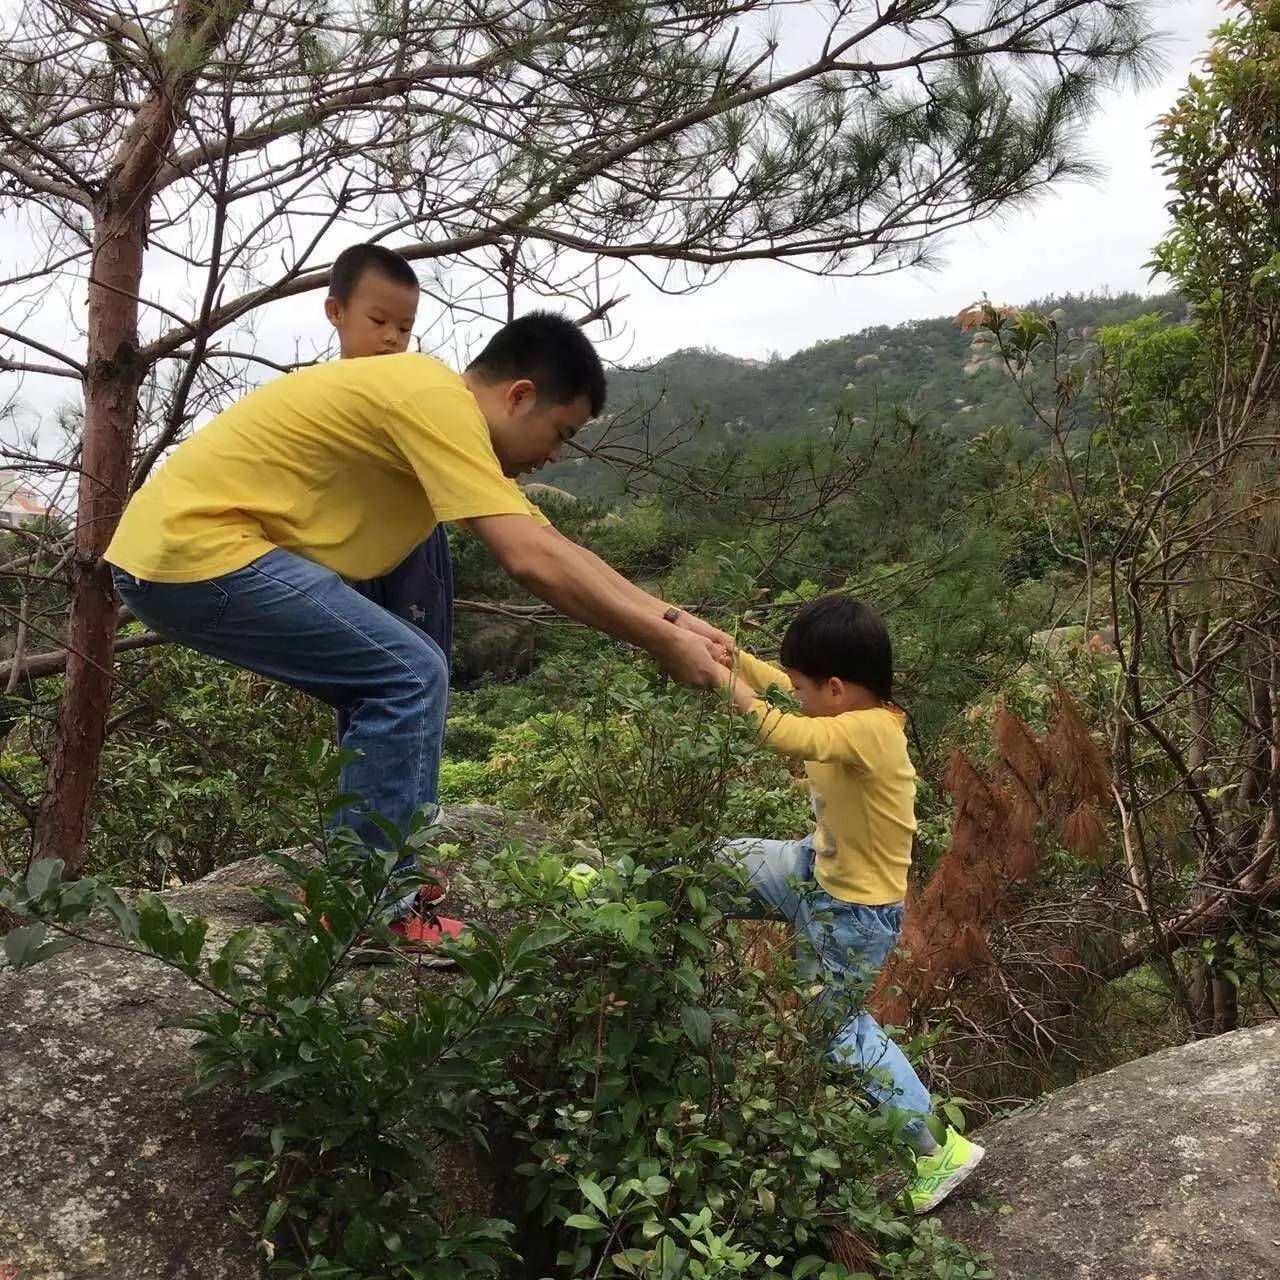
(862, 783)
(349, 464)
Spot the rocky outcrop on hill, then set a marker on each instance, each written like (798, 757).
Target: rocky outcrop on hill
(1167, 1168)
(106, 1171)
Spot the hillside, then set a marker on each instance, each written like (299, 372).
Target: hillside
(699, 398)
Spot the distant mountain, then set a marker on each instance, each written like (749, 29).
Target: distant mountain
(699, 398)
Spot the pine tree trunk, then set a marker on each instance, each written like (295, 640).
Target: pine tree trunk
(113, 375)
(112, 378)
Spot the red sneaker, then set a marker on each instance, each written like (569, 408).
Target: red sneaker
(421, 936)
(429, 895)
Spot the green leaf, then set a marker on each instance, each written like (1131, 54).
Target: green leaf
(125, 916)
(583, 1222)
(279, 1076)
(222, 969)
(43, 874)
(360, 1241)
(695, 938)
(30, 944)
(807, 1266)
(697, 1025)
(592, 1191)
(275, 1211)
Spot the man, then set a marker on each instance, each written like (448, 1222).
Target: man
(242, 545)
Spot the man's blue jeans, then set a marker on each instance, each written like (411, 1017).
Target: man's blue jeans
(293, 621)
(844, 944)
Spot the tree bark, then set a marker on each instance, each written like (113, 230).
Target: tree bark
(112, 375)
(112, 378)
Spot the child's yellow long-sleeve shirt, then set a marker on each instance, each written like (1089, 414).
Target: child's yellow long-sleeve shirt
(863, 788)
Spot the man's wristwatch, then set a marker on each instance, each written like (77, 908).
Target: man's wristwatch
(671, 615)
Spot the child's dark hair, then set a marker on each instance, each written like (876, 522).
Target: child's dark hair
(836, 636)
(352, 263)
(552, 352)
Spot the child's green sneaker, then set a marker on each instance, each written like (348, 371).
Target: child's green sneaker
(939, 1174)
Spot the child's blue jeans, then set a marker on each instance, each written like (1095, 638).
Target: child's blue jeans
(844, 944)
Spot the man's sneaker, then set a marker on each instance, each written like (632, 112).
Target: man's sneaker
(421, 934)
(940, 1173)
(431, 895)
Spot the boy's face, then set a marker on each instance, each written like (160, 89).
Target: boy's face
(377, 319)
(526, 434)
(819, 697)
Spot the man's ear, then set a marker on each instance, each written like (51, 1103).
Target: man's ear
(520, 394)
(333, 311)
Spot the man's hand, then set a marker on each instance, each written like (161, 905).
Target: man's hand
(689, 659)
(691, 622)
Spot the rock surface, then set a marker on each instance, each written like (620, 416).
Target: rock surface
(106, 1172)
(1167, 1168)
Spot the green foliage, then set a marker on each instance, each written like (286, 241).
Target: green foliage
(1219, 147)
(358, 1078)
(682, 1120)
(670, 1109)
(636, 754)
(203, 765)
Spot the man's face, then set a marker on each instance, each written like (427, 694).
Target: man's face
(527, 435)
(377, 319)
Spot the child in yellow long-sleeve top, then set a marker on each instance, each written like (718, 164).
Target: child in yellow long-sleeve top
(843, 886)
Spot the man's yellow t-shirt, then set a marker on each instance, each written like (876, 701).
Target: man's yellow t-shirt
(349, 464)
(863, 787)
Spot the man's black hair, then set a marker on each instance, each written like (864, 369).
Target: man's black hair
(836, 636)
(351, 264)
(552, 352)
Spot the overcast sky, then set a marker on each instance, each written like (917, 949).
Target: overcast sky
(1081, 238)
(1078, 239)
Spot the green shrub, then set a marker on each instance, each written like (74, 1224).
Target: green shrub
(468, 737)
(465, 782)
(639, 754)
(667, 1097)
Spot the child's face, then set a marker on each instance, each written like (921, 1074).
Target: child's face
(377, 319)
(820, 697)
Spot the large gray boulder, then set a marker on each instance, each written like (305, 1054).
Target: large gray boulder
(1167, 1168)
(106, 1171)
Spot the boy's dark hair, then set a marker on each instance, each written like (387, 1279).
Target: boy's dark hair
(352, 263)
(552, 352)
(836, 636)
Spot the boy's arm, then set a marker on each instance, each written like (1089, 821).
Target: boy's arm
(822, 738)
(759, 674)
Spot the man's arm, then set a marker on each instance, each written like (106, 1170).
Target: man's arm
(628, 589)
(550, 567)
